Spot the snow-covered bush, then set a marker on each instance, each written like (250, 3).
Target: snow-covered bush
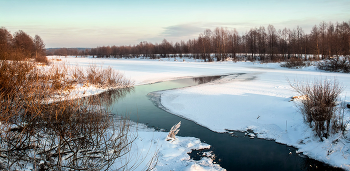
(336, 64)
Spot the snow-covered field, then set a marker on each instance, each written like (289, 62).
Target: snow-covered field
(259, 100)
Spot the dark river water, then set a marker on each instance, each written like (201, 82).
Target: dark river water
(233, 150)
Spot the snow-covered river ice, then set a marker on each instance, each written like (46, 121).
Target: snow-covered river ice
(233, 150)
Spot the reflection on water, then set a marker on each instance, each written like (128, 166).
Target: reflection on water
(108, 97)
(202, 80)
(233, 151)
(72, 134)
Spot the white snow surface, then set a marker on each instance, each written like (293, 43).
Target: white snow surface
(258, 100)
(172, 155)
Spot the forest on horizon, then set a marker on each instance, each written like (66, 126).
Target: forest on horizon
(265, 44)
(325, 39)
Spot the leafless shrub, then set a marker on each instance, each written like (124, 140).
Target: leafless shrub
(173, 131)
(319, 105)
(294, 63)
(335, 64)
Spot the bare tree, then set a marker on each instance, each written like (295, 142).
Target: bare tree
(39, 48)
(315, 42)
(272, 41)
(23, 44)
(5, 44)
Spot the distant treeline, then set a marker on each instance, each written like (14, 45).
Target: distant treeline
(267, 44)
(21, 46)
(68, 51)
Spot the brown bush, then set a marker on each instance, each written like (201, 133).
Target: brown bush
(319, 105)
(294, 63)
(42, 59)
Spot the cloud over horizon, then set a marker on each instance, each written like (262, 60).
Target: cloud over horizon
(96, 23)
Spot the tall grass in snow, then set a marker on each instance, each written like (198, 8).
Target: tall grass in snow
(105, 77)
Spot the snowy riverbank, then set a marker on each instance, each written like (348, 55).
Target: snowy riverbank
(257, 100)
(172, 155)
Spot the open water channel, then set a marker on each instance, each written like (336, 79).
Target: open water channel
(233, 150)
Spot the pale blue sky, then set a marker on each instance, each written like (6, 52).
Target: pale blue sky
(91, 23)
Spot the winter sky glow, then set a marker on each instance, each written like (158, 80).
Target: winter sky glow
(91, 23)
